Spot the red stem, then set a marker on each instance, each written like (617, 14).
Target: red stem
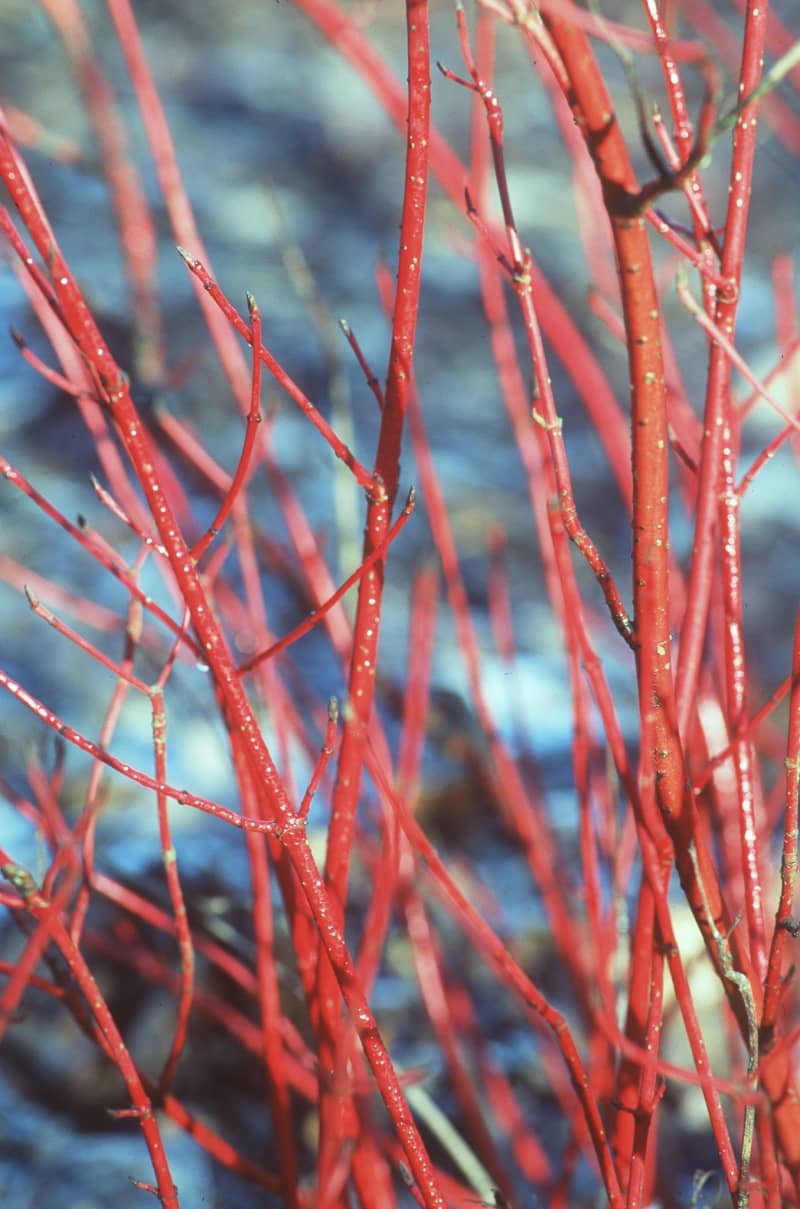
(46, 913)
(273, 801)
(719, 370)
(253, 420)
(361, 679)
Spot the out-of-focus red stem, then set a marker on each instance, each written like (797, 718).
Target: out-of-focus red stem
(45, 371)
(137, 232)
(498, 956)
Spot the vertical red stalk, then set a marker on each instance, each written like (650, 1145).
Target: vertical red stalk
(641, 308)
(361, 681)
(170, 859)
(269, 1001)
(736, 677)
(719, 372)
(387, 460)
(642, 947)
(774, 984)
(650, 1089)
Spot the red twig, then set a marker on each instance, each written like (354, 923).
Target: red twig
(251, 431)
(42, 910)
(361, 475)
(305, 627)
